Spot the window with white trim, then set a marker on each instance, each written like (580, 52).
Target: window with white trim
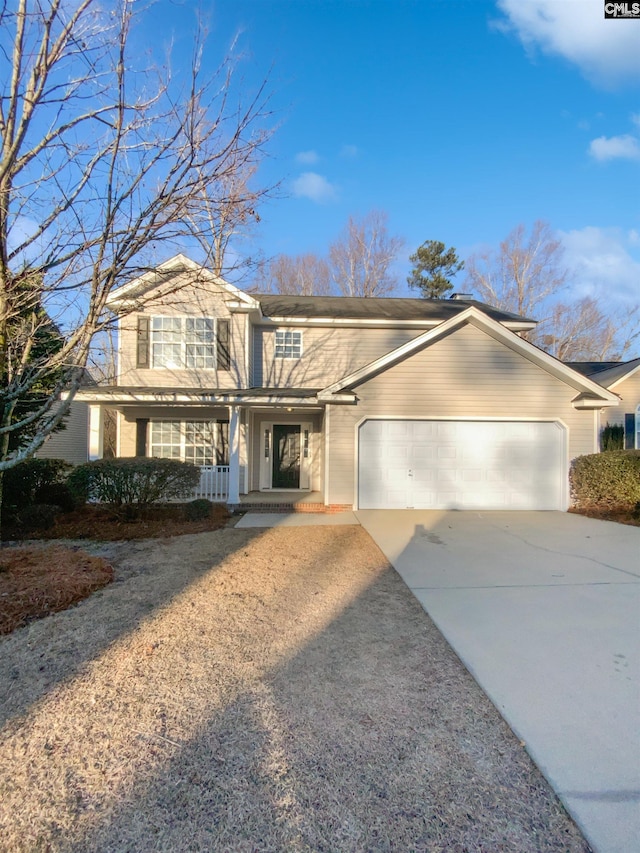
(199, 442)
(288, 343)
(178, 342)
(637, 444)
(166, 342)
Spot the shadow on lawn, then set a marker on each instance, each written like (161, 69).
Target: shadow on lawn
(370, 735)
(44, 654)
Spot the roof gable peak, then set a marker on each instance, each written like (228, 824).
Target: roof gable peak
(163, 273)
(474, 316)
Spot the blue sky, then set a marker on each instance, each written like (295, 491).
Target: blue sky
(460, 119)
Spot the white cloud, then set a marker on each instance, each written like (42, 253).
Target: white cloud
(349, 151)
(606, 51)
(625, 147)
(315, 187)
(606, 262)
(309, 158)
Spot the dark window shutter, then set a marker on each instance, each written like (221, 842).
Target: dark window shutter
(223, 349)
(142, 355)
(629, 431)
(222, 446)
(141, 436)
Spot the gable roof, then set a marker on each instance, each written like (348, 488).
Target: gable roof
(590, 393)
(590, 368)
(607, 373)
(166, 272)
(379, 308)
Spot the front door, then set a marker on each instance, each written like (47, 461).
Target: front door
(286, 456)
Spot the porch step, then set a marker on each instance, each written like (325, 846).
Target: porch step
(294, 507)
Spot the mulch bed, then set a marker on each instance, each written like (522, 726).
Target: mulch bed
(620, 514)
(106, 525)
(35, 582)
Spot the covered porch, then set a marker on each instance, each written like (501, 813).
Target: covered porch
(257, 448)
(214, 486)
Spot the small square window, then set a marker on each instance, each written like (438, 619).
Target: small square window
(288, 344)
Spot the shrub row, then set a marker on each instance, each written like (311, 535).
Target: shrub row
(37, 488)
(612, 437)
(36, 481)
(137, 480)
(606, 479)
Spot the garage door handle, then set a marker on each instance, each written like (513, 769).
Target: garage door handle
(410, 472)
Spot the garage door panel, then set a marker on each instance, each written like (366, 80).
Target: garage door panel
(460, 464)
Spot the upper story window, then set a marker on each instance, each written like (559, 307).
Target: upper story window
(183, 342)
(288, 344)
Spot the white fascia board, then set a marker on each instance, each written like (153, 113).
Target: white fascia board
(512, 325)
(178, 263)
(147, 280)
(349, 398)
(584, 401)
(344, 321)
(192, 399)
(496, 330)
(623, 378)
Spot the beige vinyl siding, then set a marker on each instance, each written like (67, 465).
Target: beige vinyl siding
(72, 443)
(259, 419)
(189, 302)
(328, 354)
(465, 375)
(629, 392)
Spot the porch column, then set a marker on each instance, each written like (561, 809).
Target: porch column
(233, 498)
(96, 437)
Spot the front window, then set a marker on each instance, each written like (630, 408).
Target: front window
(178, 342)
(199, 442)
(166, 341)
(637, 444)
(288, 344)
(200, 342)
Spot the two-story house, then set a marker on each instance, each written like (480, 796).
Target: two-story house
(373, 403)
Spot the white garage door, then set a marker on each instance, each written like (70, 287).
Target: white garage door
(460, 465)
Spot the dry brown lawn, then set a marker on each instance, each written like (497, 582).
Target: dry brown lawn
(247, 690)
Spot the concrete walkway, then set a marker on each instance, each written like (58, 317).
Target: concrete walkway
(295, 519)
(544, 610)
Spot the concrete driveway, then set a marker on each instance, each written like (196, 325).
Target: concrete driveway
(544, 609)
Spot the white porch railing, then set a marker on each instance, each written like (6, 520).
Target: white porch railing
(214, 483)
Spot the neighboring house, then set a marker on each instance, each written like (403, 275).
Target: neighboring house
(72, 442)
(387, 403)
(624, 379)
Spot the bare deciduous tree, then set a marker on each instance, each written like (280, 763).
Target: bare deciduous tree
(101, 162)
(361, 258)
(583, 331)
(227, 209)
(527, 276)
(522, 274)
(303, 275)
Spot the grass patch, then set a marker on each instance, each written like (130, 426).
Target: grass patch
(279, 690)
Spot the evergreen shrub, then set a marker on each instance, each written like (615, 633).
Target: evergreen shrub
(137, 480)
(606, 479)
